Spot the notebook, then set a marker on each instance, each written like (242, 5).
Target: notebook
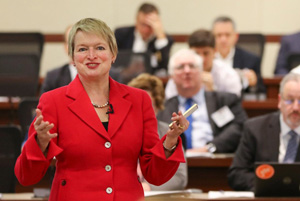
(277, 179)
(128, 65)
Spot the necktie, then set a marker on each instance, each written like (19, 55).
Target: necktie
(188, 132)
(292, 148)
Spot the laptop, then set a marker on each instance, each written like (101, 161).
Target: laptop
(277, 179)
(128, 65)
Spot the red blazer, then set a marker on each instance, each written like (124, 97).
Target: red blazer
(93, 164)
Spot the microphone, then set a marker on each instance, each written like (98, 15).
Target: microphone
(110, 110)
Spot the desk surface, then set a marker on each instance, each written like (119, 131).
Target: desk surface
(176, 197)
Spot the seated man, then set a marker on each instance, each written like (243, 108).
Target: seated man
(272, 137)
(60, 76)
(247, 64)
(217, 124)
(154, 86)
(216, 75)
(289, 44)
(147, 35)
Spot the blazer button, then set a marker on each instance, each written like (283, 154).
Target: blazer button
(107, 144)
(108, 168)
(109, 190)
(63, 182)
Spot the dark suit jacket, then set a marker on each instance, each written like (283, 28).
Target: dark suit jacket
(56, 78)
(125, 38)
(226, 138)
(260, 142)
(289, 44)
(243, 59)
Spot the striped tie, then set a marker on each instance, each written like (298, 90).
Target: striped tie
(188, 132)
(292, 148)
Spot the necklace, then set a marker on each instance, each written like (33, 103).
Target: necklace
(100, 106)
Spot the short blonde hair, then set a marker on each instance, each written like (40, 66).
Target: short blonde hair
(152, 84)
(95, 26)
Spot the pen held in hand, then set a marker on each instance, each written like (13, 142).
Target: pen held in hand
(187, 113)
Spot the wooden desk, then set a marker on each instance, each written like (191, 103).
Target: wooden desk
(178, 197)
(272, 86)
(256, 108)
(209, 173)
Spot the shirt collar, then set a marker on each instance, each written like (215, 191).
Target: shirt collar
(228, 57)
(197, 98)
(285, 129)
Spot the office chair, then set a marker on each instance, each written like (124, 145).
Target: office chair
(293, 60)
(10, 147)
(26, 113)
(254, 43)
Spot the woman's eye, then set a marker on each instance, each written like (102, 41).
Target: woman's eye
(100, 48)
(81, 49)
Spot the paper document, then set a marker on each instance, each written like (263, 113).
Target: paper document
(230, 194)
(198, 154)
(153, 193)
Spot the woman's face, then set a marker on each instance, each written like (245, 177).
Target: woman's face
(92, 56)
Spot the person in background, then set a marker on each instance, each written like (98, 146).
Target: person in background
(154, 87)
(290, 44)
(148, 35)
(246, 63)
(60, 76)
(216, 125)
(98, 129)
(272, 137)
(216, 75)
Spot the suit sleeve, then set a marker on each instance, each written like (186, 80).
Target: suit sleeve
(228, 139)
(281, 63)
(32, 165)
(162, 54)
(241, 173)
(156, 168)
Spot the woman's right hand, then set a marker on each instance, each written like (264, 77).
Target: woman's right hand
(42, 128)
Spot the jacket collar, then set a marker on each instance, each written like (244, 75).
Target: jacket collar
(81, 106)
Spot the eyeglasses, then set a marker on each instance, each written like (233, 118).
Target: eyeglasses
(291, 101)
(190, 65)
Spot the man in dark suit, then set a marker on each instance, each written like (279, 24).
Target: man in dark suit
(147, 36)
(217, 124)
(247, 64)
(290, 44)
(60, 76)
(269, 138)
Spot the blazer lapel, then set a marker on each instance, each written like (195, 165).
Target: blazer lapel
(272, 136)
(211, 105)
(82, 107)
(121, 106)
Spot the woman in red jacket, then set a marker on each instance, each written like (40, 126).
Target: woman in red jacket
(98, 129)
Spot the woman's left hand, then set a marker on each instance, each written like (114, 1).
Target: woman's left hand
(179, 125)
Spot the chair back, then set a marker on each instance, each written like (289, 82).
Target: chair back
(293, 60)
(20, 56)
(254, 43)
(10, 147)
(26, 113)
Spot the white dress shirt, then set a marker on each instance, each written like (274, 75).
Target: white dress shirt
(285, 137)
(225, 79)
(202, 131)
(141, 46)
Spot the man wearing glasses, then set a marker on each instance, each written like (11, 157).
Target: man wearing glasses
(216, 125)
(270, 138)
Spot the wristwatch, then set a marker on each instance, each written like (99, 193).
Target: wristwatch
(169, 149)
(211, 147)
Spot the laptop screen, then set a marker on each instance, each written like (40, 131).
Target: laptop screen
(277, 179)
(128, 65)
